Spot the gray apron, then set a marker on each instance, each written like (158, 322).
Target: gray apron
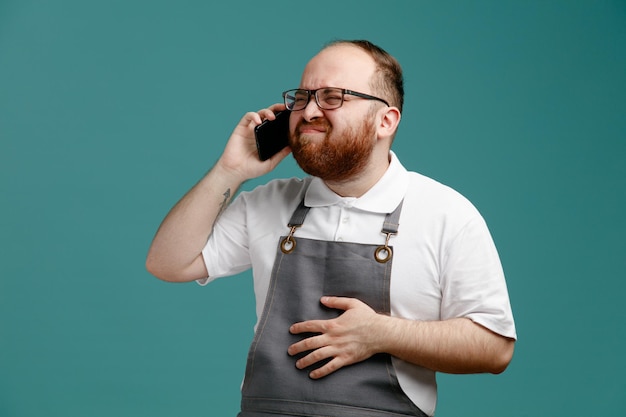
(304, 271)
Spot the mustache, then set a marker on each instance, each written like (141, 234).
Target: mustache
(315, 123)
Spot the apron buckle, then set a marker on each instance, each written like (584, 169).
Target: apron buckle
(384, 253)
(289, 243)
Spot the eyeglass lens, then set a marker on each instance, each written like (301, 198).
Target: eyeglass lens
(326, 98)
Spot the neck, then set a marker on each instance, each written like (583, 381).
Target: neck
(361, 183)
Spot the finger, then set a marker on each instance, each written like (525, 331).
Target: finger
(310, 326)
(266, 114)
(334, 365)
(270, 112)
(340, 303)
(315, 356)
(250, 120)
(307, 344)
(278, 107)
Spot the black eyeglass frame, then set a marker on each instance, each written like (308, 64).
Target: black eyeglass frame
(313, 93)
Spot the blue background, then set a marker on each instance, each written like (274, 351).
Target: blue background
(111, 110)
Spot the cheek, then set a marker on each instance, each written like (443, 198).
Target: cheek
(335, 125)
(293, 122)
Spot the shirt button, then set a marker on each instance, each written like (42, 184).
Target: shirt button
(339, 239)
(345, 220)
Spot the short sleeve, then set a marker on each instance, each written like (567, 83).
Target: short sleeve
(473, 283)
(226, 251)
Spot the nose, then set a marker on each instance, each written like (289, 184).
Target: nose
(312, 110)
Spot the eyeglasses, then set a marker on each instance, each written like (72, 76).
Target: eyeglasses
(327, 98)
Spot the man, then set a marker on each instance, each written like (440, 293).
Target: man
(368, 278)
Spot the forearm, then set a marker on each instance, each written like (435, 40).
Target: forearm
(175, 253)
(456, 346)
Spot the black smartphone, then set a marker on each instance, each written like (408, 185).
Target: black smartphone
(272, 136)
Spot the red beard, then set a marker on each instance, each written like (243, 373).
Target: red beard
(336, 157)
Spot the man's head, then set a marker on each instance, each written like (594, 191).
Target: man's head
(339, 143)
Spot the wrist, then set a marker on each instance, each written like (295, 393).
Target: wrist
(383, 332)
(229, 176)
(393, 334)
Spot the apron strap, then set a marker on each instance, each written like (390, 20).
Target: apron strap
(391, 224)
(298, 216)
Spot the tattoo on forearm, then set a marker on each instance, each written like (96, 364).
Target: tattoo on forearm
(224, 203)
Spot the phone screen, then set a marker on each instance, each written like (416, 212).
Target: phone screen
(272, 136)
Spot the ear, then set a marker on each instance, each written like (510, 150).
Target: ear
(389, 119)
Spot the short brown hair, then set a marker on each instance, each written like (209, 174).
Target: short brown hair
(388, 81)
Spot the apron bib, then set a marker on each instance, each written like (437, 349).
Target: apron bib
(304, 271)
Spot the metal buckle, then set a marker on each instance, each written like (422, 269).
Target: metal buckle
(289, 243)
(383, 253)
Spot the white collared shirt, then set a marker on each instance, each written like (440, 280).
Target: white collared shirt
(445, 264)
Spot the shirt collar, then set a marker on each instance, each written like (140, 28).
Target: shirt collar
(383, 197)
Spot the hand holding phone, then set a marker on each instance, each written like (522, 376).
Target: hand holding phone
(272, 135)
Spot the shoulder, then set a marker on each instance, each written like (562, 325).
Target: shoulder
(435, 196)
(277, 191)
(437, 212)
(274, 198)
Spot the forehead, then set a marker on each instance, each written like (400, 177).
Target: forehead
(344, 66)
